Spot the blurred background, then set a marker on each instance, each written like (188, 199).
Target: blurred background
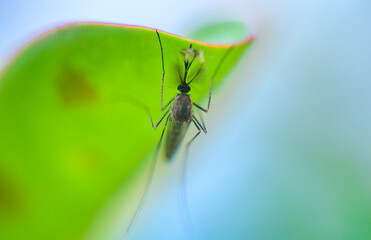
(288, 154)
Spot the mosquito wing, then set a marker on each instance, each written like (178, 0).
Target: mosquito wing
(175, 133)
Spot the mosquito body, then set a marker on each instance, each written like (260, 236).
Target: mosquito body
(180, 114)
(180, 118)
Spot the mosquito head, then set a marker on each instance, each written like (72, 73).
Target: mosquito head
(184, 88)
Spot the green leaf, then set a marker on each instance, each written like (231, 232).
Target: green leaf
(68, 136)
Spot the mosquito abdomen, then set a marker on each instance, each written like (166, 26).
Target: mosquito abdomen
(181, 116)
(174, 136)
(181, 109)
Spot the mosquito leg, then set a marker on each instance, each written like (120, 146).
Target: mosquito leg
(153, 166)
(163, 73)
(198, 126)
(202, 126)
(182, 190)
(155, 126)
(136, 102)
(212, 80)
(167, 104)
(202, 121)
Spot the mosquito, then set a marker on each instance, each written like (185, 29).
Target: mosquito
(180, 114)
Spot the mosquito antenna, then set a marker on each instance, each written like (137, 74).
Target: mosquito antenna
(180, 73)
(187, 64)
(196, 75)
(186, 59)
(194, 57)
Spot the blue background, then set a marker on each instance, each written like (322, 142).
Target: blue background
(288, 154)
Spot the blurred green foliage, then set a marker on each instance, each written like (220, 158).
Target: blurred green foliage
(68, 137)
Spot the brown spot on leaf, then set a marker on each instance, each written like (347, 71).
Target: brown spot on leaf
(10, 197)
(75, 89)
